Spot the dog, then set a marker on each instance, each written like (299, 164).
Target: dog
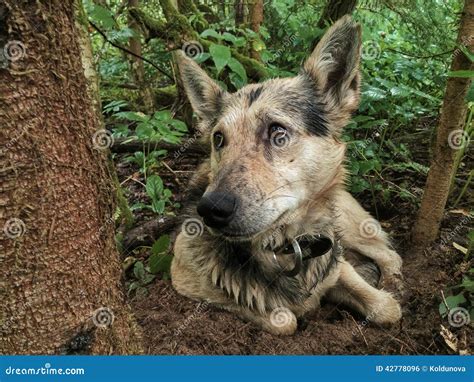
(270, 228)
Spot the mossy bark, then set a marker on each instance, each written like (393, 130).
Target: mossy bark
(177, 30)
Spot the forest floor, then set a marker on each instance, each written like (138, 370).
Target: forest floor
(173, 324)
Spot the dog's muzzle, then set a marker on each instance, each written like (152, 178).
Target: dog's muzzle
(217, 208)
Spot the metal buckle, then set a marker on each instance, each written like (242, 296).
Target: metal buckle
(298, 259)
(297, 253)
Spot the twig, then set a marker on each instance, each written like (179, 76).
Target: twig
(422, 57)
(129, 51)
(359, 329)
(444, 301)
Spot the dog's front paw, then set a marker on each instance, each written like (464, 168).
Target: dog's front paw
(282, 322)
(393, 283)
(388, 311)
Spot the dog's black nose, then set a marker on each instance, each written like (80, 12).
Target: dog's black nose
(217, 208)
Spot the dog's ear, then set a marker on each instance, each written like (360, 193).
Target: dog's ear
(334, 65)
(204, 94)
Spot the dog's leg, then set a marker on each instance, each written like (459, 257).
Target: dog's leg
(352, 290)
(362, 233)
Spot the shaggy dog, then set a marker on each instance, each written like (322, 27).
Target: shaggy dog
(270, 228)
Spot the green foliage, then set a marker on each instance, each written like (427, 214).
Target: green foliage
(459, 300)
(405, 61)
(161, 126)
(160, 259)
(142, 277)
(158, 194)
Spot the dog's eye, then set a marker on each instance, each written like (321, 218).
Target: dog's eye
(218, 140)
(279, 136)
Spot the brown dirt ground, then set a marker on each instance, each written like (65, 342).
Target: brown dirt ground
(176, 325)
(173, 324)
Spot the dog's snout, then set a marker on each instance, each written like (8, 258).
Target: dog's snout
(217, 208)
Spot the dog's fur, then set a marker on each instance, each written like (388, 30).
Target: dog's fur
(284, 192)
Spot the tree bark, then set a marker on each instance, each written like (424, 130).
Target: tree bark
(60, 274)
(239, 11)
(136, 64)
(450, 138)
(256, 19)
(332, 12)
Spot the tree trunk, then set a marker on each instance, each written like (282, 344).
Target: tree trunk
(256, 19)
(332, 12)
(450, 138)
(239, 10)
(137, 67)
(60, 273)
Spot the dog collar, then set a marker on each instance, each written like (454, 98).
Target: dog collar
(303, 248)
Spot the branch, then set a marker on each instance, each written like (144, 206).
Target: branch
(130, 52)
(147, 233)
(122, 146)
(178, 31)
(422, 57)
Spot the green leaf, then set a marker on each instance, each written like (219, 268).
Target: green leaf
(160, 262)
(144, 131)
(452, 302)
(366, 166)
(220, 55)
(373, 93)
(179, 125)
(229, 37)
(161, 245)
(132, 116)
(461, 74)
(102, 15)
(154, 187)
(139, 270)
(470, 93)
(238, 68)
(158, 206)
(211, 33)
